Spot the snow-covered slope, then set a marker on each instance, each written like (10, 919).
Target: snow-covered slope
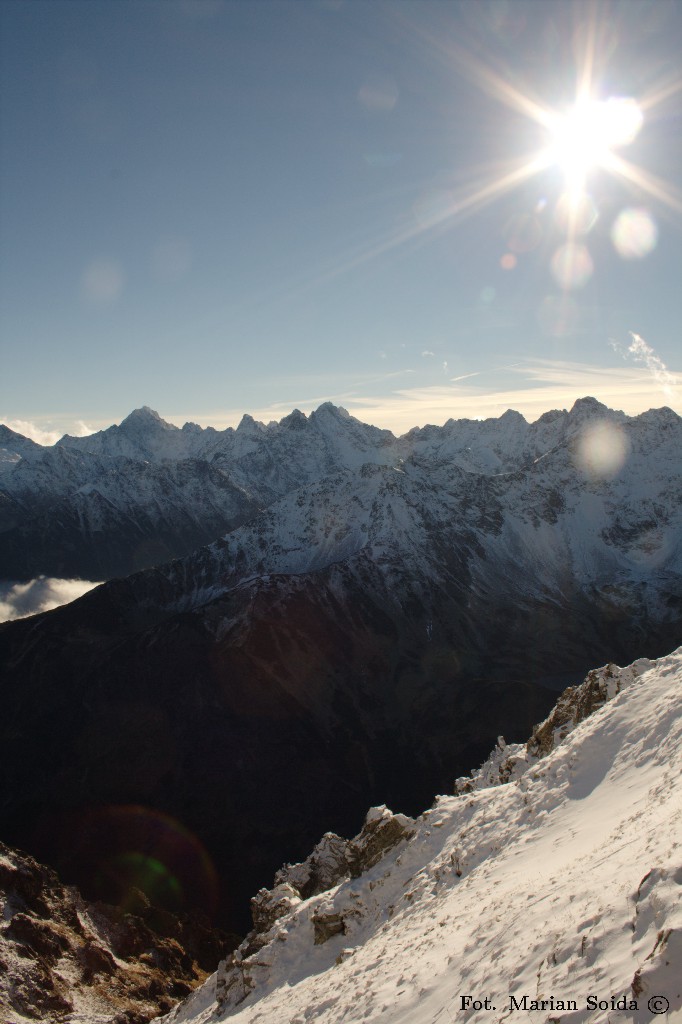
(13, 447)
(72, 513)
(556, 896)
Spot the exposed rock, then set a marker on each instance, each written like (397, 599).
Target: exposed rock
(60, 955)
(506, 762)
(578, 702)
(381, 832)
(332, 861)
(326, 926)
(323, 869)
(509, 761)
(271, 904)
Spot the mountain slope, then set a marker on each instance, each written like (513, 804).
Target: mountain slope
(557, 895)
(144, 492)
(77, 514)
(364, 638)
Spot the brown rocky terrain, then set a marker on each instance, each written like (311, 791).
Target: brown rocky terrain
(62, 958)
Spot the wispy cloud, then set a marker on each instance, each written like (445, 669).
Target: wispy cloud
(42, 594)
(82, 429)
(641, 352)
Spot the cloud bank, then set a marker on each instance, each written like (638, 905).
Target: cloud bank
(47, 437)
(17, 600)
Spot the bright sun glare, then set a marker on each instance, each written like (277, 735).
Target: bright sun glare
(578, 142)
(585, 137)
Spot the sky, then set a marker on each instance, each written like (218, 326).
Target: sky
(214, 207)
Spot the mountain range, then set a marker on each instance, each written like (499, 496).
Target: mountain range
(373, 613)
(145, 491)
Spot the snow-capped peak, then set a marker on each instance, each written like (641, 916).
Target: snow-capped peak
(248, 424)
(588, 406)
(329, 409)
(296, 420)
(146, 417)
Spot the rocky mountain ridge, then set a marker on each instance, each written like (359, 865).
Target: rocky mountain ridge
(552, 885)
(146, 491)
(335, 860)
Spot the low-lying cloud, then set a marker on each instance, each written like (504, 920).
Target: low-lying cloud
(28, 428)
(42, 594)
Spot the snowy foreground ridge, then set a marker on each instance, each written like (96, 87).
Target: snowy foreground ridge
(555, 896)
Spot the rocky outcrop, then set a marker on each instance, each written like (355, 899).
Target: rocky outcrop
(61, 956)
(381, 832)
(509, 761)
(323, 869)
(332, 861)
(578, 702)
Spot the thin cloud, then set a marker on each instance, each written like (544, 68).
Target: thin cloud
(532, 388)
(540, 386)
(42, 594)
(82, 429)
(643, 353)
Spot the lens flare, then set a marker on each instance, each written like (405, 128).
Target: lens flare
(558, 315)
(602, 450)
(102, 282)
(523, 232)
(129, 872)
(432, 207)
(572, 266)
(634, 234)
(130, 848)
(378, 94)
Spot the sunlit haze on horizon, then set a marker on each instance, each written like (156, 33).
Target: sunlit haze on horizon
(417, 210)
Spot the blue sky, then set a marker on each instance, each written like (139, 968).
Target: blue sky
(217, 207)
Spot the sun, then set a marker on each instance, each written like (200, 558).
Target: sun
(585, 137)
